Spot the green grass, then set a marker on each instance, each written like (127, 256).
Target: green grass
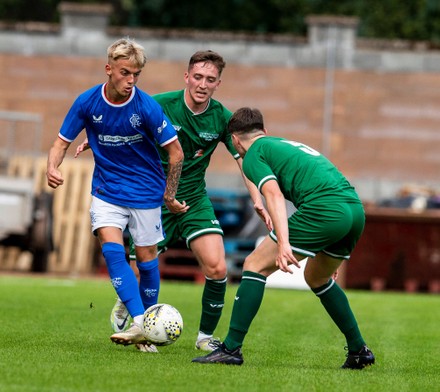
(54, 337)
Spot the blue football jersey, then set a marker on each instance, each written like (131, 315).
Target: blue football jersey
(128, 170)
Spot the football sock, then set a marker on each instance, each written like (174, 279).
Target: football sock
(149, 281)
(139, 320)
(213, 300)
(247, 302)
(122, 277)
(202, 335)
(336, 304)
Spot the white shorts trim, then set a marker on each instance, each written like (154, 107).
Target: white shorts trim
(144, 225)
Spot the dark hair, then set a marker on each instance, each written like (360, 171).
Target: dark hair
(246, 120)
(204, 56)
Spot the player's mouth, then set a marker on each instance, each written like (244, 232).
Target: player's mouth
(201, 94)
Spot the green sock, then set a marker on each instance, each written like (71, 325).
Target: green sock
(336, 304)
(213, 300)
(247, 302)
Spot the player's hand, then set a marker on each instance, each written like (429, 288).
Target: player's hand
(285, 258)
(264, 216)
(176, 207)
(54, 178)
(82, 147)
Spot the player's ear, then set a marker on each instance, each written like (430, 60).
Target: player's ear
(108, 69)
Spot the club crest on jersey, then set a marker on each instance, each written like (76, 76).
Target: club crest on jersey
(135, 120)
(198, 154)
(97, 119)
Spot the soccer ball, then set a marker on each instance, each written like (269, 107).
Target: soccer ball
(163, 324)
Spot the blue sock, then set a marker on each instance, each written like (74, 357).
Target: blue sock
(149, 283)
(122, 277)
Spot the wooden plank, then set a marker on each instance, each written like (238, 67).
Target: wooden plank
(73, 240)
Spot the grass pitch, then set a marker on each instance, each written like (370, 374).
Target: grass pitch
(54, 337)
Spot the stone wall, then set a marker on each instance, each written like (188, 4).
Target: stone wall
(374, 112)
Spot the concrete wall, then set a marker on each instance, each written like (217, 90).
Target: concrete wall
(374, 112)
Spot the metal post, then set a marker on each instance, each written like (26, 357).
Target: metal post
(328, 92)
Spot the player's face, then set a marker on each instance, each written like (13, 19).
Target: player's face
(201, 82)
(122, 77)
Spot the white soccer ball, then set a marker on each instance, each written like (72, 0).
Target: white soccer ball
(163, 324)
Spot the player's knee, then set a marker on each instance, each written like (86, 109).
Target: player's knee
(216, 271)
(251, 264)
(313, 282)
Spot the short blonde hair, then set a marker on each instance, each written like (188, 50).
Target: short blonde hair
(127, 49)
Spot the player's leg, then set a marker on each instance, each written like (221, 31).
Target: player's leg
(119, 317)
(318, 275)
(201, 229)
(319, 272)
(108, 222)
(257, 266)
(210, 254)
(124, 282)
(145, 228)
(147, 263)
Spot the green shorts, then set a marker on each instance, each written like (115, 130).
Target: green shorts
(199, 220)
(330, 227)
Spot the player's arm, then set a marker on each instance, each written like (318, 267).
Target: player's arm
(54, 160)
(276, 205)
(175, 163)
(256, 198)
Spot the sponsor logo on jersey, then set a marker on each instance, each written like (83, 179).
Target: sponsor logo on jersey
(215, 222)
(97, 119)
(119, 139)
(135, 120)
(208, 136)
(177, 127)
(198, 154)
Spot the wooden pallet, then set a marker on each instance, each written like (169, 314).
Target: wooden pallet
(73, 240)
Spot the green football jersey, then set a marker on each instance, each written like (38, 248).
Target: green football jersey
(302, 173)
(199, 134)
